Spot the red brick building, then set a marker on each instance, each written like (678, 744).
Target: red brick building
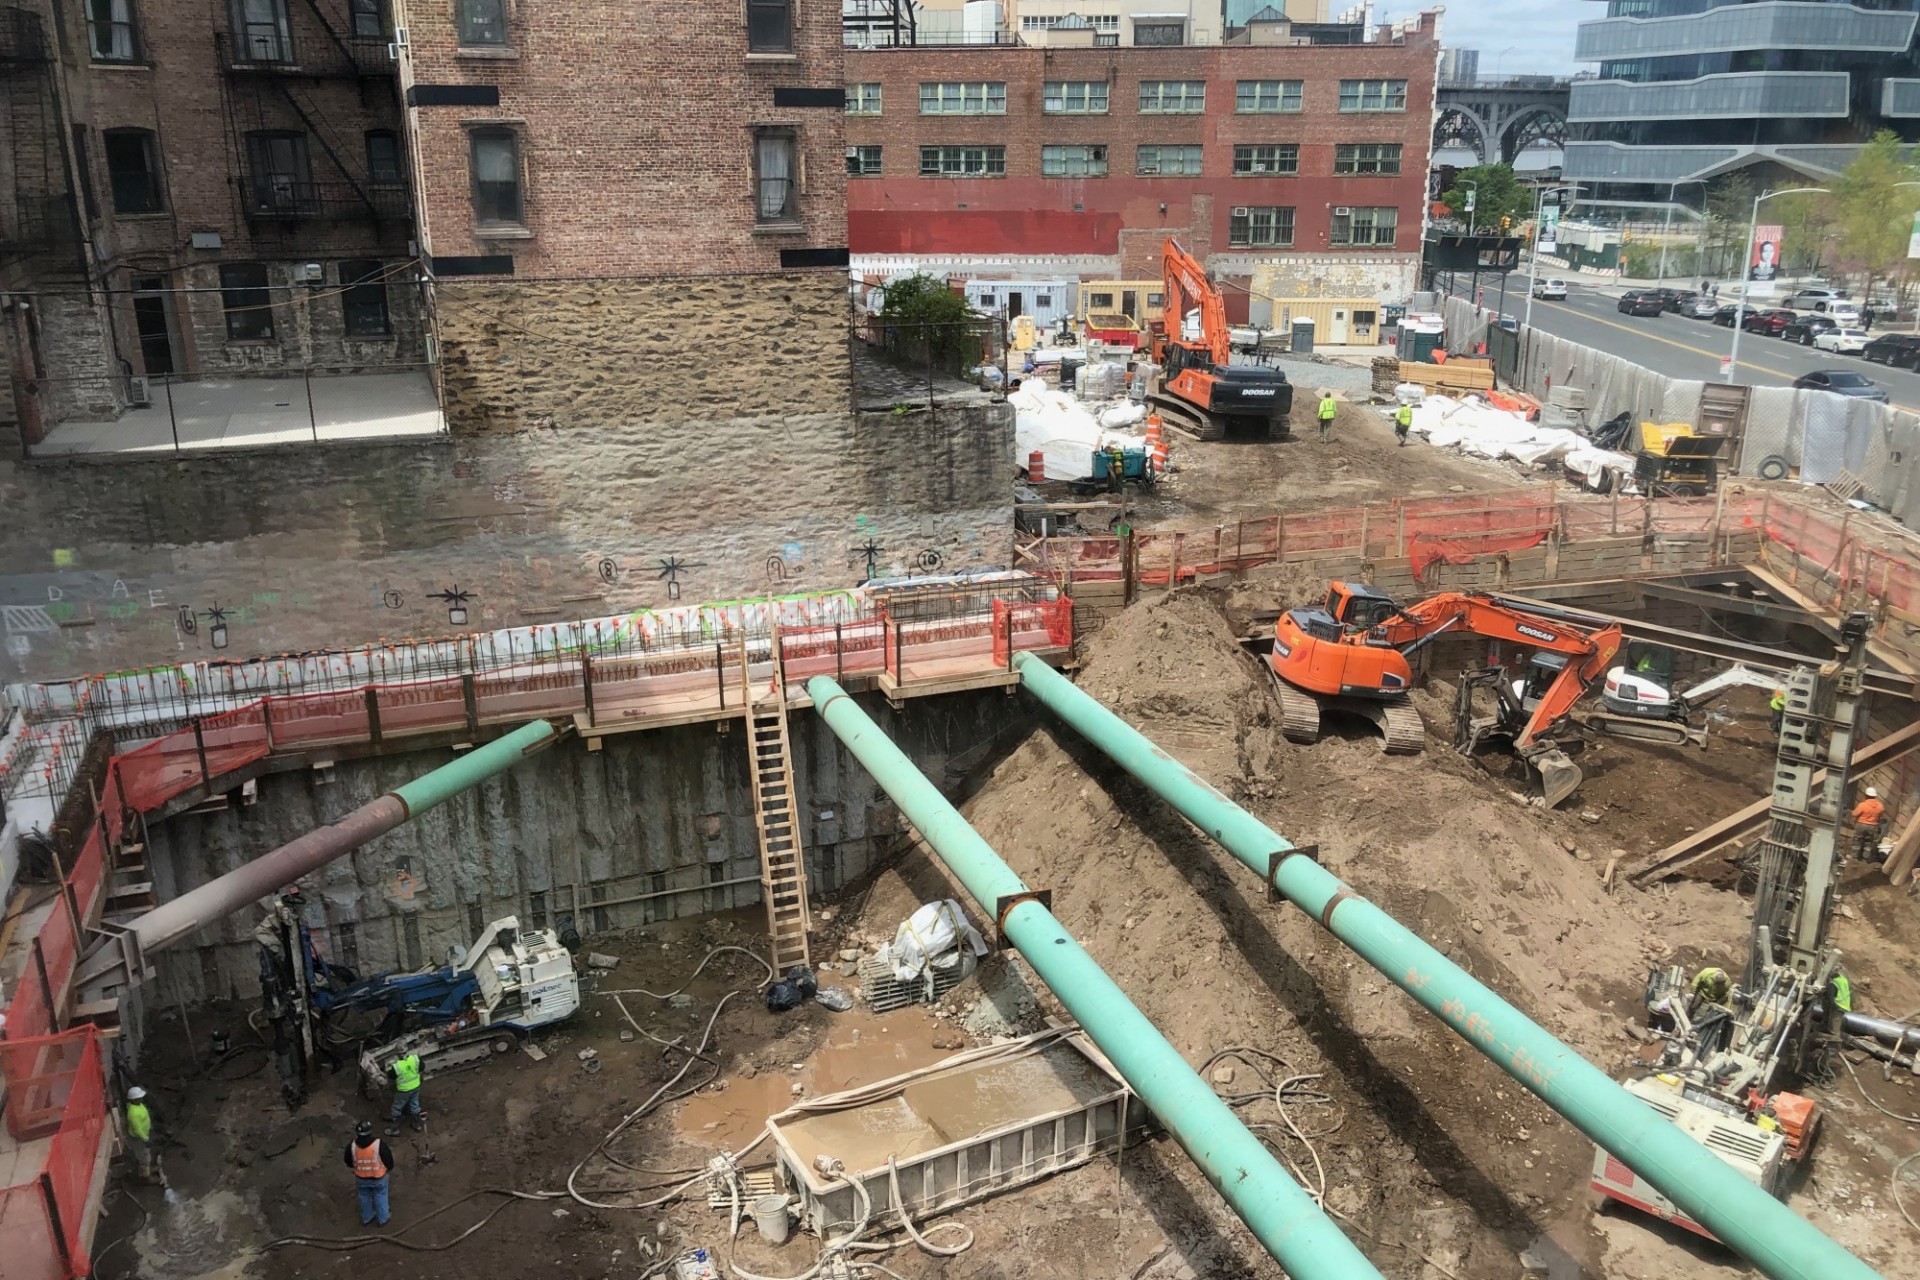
(1309, 157)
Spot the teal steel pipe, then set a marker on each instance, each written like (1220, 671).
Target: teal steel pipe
(1281, 1215)
(1782, 1244)
(474, 767)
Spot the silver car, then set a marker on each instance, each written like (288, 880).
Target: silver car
(1551, 289)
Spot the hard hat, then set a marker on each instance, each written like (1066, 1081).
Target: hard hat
(136, 1093)
(1873, 792)
(364, 1131)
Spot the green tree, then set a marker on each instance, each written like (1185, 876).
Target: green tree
(1808, 221)
(1501, 195)
(1873, 213)
(1729, 209)
(924, 319)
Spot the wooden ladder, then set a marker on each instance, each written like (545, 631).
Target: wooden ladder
(783, 868)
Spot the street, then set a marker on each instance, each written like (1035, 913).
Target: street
(1685, 348)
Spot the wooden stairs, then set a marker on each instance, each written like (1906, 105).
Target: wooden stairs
(783, 868)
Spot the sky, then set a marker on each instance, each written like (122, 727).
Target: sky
(1514, 37)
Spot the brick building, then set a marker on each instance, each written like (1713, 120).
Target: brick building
(1280, 151)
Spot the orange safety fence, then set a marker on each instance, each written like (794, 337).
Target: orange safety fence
(1041, 624)
(56, 1085)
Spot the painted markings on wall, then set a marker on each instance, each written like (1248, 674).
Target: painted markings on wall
(27, 619)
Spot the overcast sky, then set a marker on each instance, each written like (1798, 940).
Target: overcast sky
(1513, 36)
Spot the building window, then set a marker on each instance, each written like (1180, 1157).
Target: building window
(1252, 97)
(1073, 162)
(1367, 158)
(497, 198)
(1260, 227)
(243, 293)
(776, 177)
(1075, 97)
(963, 162)
(281, 179)
(383, 157)
(964, 98)
(133, 168)
(1168, 162)
(1264, 161)
(481, 23)
(863, 99)
(1107, 22)
(260, 31)
(1159, 33)
(769, 26)
(366, 20)
(363, 299)
(863, 162)
(1099, 302)
(110, 33)
(1373, 95)
(1364, 226)
(1173, 97)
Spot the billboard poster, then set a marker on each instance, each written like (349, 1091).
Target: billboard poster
(1765, 264)
(1913, 238)
(1549, 242)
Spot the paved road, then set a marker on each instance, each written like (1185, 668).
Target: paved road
(1685, 348)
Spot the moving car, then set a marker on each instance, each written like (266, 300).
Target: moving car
(1551, 289)
(1701, 308)
(1898, 350)
(1641, 302)
(1814, 298)
(1847, 342)
(1842, 382)
(1724, 315)
(1773, 321)
(1677, 299)
(1805, 328)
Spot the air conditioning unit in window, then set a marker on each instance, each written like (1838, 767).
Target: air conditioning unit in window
(137, 392)
(1342, 211)
(1240, 211)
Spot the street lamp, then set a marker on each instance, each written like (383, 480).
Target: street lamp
(1753, 231)
(1667, 230)
(1533, 266)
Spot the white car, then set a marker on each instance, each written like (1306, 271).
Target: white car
(1849, 342)
(1551, 289)
(1844, 314)
(1814, 298)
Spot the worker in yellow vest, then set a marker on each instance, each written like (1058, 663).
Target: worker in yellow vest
(371, 1160)
(406, 1092)
(1402, 422)
(1777, 710)
(1328, 408)
(146, 1158)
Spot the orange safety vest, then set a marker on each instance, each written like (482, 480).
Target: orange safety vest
(367, 1162)
(1869, 811)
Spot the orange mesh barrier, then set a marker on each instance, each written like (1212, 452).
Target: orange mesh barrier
(76, 1149)
(55, 1085)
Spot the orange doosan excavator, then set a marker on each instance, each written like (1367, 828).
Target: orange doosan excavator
(1351, 654)
(1200, 390)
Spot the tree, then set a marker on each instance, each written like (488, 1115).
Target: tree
(1808, 221)
(1500, 195)
(1729, 210)
(926, 320)
(1874, 214)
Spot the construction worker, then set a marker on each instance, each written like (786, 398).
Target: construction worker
(371, 1160)
(1402, 423)
(1777, 708)
(146, 1155)
(1869, 821)
(1841, 989)
(1328, 407)
(1710, 986)
(406, 1092)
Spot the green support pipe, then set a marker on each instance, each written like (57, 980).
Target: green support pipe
(1782, 1244)
(1281, 1215)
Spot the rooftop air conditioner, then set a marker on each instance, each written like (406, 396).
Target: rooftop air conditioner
(1342, 211)
(137, 392)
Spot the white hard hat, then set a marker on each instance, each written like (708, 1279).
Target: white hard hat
(136, 1093)
(1874, 792)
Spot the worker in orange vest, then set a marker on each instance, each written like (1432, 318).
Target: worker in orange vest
(371, 1160)
(1870, 821)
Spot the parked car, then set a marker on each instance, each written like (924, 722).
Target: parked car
(1550, 289)
(1678, 300)
(1842, 382)
(1815, 298)
(1772, 322)
(1723, 316)
(1845, 313)
(1846, 342)
(1805, 328)
(1701, 308)
(1897, 350)
(1642, 302)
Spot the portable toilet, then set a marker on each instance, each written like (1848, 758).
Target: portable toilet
(1303, 336)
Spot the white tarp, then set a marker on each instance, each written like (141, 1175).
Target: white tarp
(929, 933)
(1059, 427)
(1476, 427)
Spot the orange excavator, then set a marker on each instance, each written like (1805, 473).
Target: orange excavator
(1351, 654)
(1201, 390)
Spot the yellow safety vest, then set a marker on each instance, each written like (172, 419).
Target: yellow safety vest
(1778, 702)
(139, 1121)
(1842, 993)
(406, 1074)
(1328, 408)
(1404, 416)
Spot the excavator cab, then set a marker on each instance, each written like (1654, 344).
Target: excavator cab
(1358, 606)
(1543, 669)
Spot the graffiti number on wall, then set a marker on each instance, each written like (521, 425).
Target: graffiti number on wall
(187, 623)
(609, 569)
(393, 600)
(928, 560)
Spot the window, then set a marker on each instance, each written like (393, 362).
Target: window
(1073, 162)
(243, 293)
(1075, 97)
(863, 162)
(363, 299)
(1107, 22)
(481, 23)
(1373, 95)
(383, 157)
(277, 166)
(776, 177)
(1367, 157)
(769, 26)
(863, 99)
(1159, 33)
(1173, 97)
(963, 162)
(1168, 162)
(964, 98)
(260, 31)
(1261, 226)
(1364, 226)
(1260, 161)
(496, 178)
(1255, 96)
(110, 34)
(133, 169)
(366, 20)
(1100, 301)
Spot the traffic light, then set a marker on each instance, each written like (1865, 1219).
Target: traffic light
(1506, 222)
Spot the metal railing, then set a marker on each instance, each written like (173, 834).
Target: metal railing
(267, 50)
(276, 197)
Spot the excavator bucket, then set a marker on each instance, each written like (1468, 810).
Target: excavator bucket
(1559, 776)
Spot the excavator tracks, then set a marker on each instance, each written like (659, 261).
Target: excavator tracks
(1401, 731)
(1404, 732)
(1299, 712)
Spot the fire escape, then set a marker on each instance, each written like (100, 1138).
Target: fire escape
(874, 24)
(38, 216)
(295, 170)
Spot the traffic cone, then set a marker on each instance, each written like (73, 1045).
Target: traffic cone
(1156, 442)
(1036, 467)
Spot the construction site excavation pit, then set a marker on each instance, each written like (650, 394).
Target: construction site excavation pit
(1428, 1157)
